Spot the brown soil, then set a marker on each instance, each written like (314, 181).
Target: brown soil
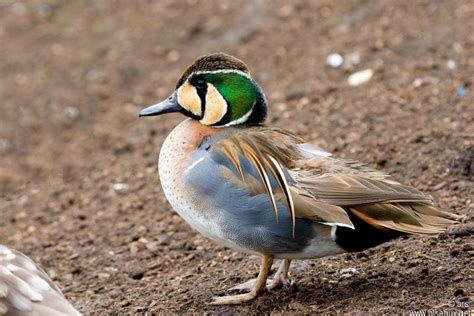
(73, 75)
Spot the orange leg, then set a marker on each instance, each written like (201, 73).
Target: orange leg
(258, 288)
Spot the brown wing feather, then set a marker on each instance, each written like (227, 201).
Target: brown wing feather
(412, 218)
(376, 200)
(347, 190)
(321, 188)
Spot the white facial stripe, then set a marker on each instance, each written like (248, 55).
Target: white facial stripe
(224, 71)
(189, 99)
(216, 106)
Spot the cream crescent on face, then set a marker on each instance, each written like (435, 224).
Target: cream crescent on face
(189, 99)
(216, 106)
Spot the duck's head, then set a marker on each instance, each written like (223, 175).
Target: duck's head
(216, 90)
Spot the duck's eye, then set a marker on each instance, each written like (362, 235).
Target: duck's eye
(200, 82)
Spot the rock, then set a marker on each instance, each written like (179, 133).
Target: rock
(334, 60)
(353, 58)
(451, 64)
(360, 77)
(152, 246)
(120, 187)
(347, 273)
(439, 186)
(137, 275)
(72, 112)
(162, 239)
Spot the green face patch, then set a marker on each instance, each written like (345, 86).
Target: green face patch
(239, 91)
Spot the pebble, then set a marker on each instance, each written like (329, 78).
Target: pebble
(72, 112)
(143, 240)
(162, 239)
(451, 64)
(120, 187)
(137, 275)
(347, 273)
(334, 60)
(417, 82)
(23, 200)
(103, 275)
(353, 58)
(360, 77)
(152, 246)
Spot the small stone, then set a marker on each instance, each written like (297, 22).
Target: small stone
(334, 60)
(360, 77)
(451, 64)
(162, 239)
(417, 82)
(72, 112)
(143, 240)
(103, 275)
(347, 273)
(23, 200)
(137, 275)
(152, 246)
(457, 278)
(353, 58)
(120, 187)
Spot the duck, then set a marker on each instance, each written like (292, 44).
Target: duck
(263, 190)
(26, 290)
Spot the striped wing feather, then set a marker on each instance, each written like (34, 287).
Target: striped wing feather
(324, 189)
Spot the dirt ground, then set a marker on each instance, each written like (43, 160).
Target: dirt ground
(79, 191)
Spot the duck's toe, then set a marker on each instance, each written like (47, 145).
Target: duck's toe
(234, 299)
(246, 286)
(280, 281)
(272, 284)
(249, 285)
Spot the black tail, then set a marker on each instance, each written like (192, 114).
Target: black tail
(364, 236)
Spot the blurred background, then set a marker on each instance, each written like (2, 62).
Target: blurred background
(385, 82)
